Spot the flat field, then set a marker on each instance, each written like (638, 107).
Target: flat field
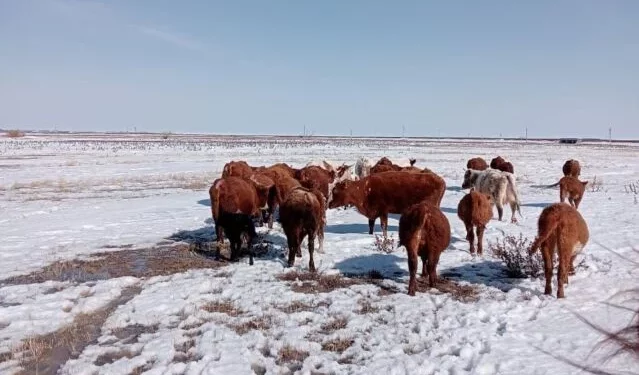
(105, 269)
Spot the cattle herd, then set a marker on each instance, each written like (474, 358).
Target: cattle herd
(245, 194)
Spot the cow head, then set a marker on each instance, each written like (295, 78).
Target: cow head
(339, 195)
(469, 178)
(343, 172)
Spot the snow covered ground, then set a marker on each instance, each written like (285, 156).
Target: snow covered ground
(64, 199)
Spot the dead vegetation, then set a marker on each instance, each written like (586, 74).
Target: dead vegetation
(596, 185)
(299, 306)
(112, 356)
(337, 345)
(513, 251)
(384, 244)
(365, 307)
(14, 133)
(45, 354)
(184, 352)
(289, 354)
(141, 263)
(131, 333)
(334, 325)
(225, 306)
(262, 323)
(316, 282)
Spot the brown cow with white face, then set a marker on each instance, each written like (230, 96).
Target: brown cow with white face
(387, 193)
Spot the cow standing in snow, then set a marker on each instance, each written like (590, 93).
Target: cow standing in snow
(500, 186)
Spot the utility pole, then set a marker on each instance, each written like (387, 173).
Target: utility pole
(526, 134)
(403, 130)
(304, 131)
(610, 134)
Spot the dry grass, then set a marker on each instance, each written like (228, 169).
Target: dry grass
(224, 306)
(45, 354)
(131, 333)
(113, 356)
(147, 262)
(262, 323)
(313, 283)
(463, 293)
(299, 306)
(337, 345)
(289, 354)
(334, 325)
(14, 133)
(513, 251)
(184, 352)
(384, 244)
(365, 307)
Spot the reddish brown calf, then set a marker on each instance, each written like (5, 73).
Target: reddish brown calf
(563, 230)
(571, 168)
(237, 169)
(477, 164)
(572, 189)
(425, 232)
(303, 214)
(314, 177)
(475, 211)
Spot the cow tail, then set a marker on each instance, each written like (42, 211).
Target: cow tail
(512, 185)
(215, 201)
(553, 185)
(543, 237)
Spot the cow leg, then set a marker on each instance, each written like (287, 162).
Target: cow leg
(500, 209)
(513, 208)
(433, 259)
(293, 247)
(311, 248)
(383, 219)
(562, 273)
(252, 236)
(412, 269)
(371, 225)
(546, 252)
(480, 239)
(470, 236)
(571, 271)
(424, 265)
(219, 233)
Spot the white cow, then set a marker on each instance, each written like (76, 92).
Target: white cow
(500, 186)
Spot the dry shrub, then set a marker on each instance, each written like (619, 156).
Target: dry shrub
(596, 185)
(14, 133)
(289, 354)
(337, 345)
(513, 251)
(262, 323)
(463, 293)
(632, 188)
(384, 244)
(225, 307)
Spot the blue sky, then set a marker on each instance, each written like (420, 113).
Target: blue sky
(450, 68)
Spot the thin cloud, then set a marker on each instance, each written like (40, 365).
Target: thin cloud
(172, 38)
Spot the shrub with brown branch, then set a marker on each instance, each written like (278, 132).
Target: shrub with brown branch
(596, 185)
(632, 188)
(225, 307)
(289, 354)
(513, 251)
(337, 345)
(14, 133)
(384, 244)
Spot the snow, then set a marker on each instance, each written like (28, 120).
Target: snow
(65, 199)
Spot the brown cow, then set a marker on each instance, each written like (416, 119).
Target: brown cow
(314, 177)
(234, 203)
(502, 165)
(563, 230)
(237, 169)
(385, 165)
(283, 184)
(572, 189)
(303, 214)
(475, 210)
(571, 168)
(387, 193)
(285, 168)
(477, 164)
(425, 232)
